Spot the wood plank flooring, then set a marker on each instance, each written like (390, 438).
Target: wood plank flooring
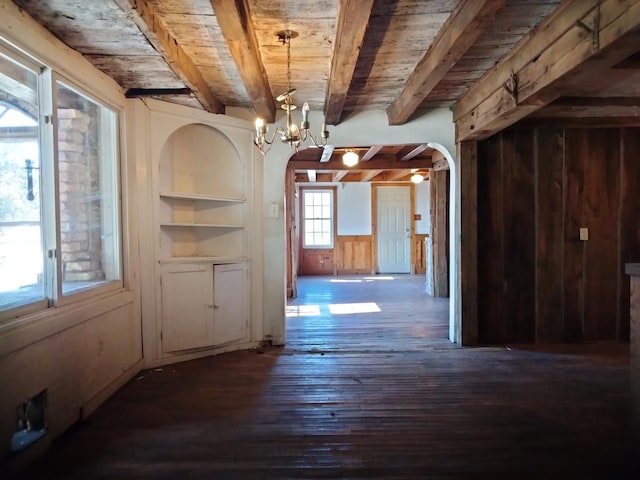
(361, 393)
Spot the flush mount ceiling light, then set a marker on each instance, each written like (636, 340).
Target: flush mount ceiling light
(292, 133)
(417, 178)
(350, 158)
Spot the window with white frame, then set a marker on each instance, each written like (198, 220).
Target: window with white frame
(59, 201)
(317, 217)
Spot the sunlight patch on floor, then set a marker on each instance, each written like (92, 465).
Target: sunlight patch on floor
(302, 310)
(360, 280)
(351, 308)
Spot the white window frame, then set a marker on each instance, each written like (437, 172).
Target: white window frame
(50, 205)
(332, 217)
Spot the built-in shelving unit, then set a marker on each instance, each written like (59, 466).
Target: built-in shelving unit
(202, 208)
(203, 246)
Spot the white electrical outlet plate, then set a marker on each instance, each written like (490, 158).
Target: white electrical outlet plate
(584, 234)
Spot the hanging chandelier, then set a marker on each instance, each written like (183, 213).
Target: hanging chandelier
(292, 133)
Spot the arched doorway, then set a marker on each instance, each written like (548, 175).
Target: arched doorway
(432, 160)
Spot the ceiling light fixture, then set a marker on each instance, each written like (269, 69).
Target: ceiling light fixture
(350, 158)
(292, 134)
(417, 178)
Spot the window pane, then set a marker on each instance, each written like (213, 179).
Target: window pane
(88, 191)
(317, 212)
(21, 252)
(308, 199)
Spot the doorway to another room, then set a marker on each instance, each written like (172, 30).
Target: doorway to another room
(358, 231)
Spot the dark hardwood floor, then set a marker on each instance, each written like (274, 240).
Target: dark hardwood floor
(367, 386)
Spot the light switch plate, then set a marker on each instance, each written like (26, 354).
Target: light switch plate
(584, 234)
(274, 210)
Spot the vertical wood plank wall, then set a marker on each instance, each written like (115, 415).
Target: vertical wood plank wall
(291, 236)
(629, 224)
(466, 333)
(537, 281)
(437, 250)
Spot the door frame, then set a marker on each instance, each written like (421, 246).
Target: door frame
(374, 223)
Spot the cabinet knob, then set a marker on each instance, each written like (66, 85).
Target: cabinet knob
(210, 305)
(216, 306)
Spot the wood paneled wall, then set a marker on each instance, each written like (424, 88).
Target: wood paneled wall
(537, 281)
(316, 262)
(352, 255)
(420, 252)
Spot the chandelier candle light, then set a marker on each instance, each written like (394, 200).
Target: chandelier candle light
(292, 134)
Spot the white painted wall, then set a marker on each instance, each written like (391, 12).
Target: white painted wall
(354, 208)
(423, 204)
(83, 351)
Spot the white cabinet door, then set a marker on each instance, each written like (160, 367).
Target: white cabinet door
(230, 316)
(187, 307)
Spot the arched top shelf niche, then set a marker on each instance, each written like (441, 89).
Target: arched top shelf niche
(199, 160)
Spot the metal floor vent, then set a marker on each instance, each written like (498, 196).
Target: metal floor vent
(31, 422)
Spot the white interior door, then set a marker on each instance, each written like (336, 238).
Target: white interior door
(394, 229)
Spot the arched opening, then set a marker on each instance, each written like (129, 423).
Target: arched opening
(356, 252)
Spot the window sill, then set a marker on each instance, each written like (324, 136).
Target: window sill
(21, 332)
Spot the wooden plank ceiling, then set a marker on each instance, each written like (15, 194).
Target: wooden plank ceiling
(401, 56)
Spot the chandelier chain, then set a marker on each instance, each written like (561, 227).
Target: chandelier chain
(291, 133)
(288, 40)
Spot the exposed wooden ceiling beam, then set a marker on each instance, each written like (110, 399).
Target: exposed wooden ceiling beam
(381, 162)
(395, 175)
(143, 14)
(461, 30)
(324, 177)
(372, 152)
(353, 18)
(369, 174)
(234, 20)
(327, 152)
(339, 175)
(414, 153)
(311, 175)
(590, 107)
(540, 70)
